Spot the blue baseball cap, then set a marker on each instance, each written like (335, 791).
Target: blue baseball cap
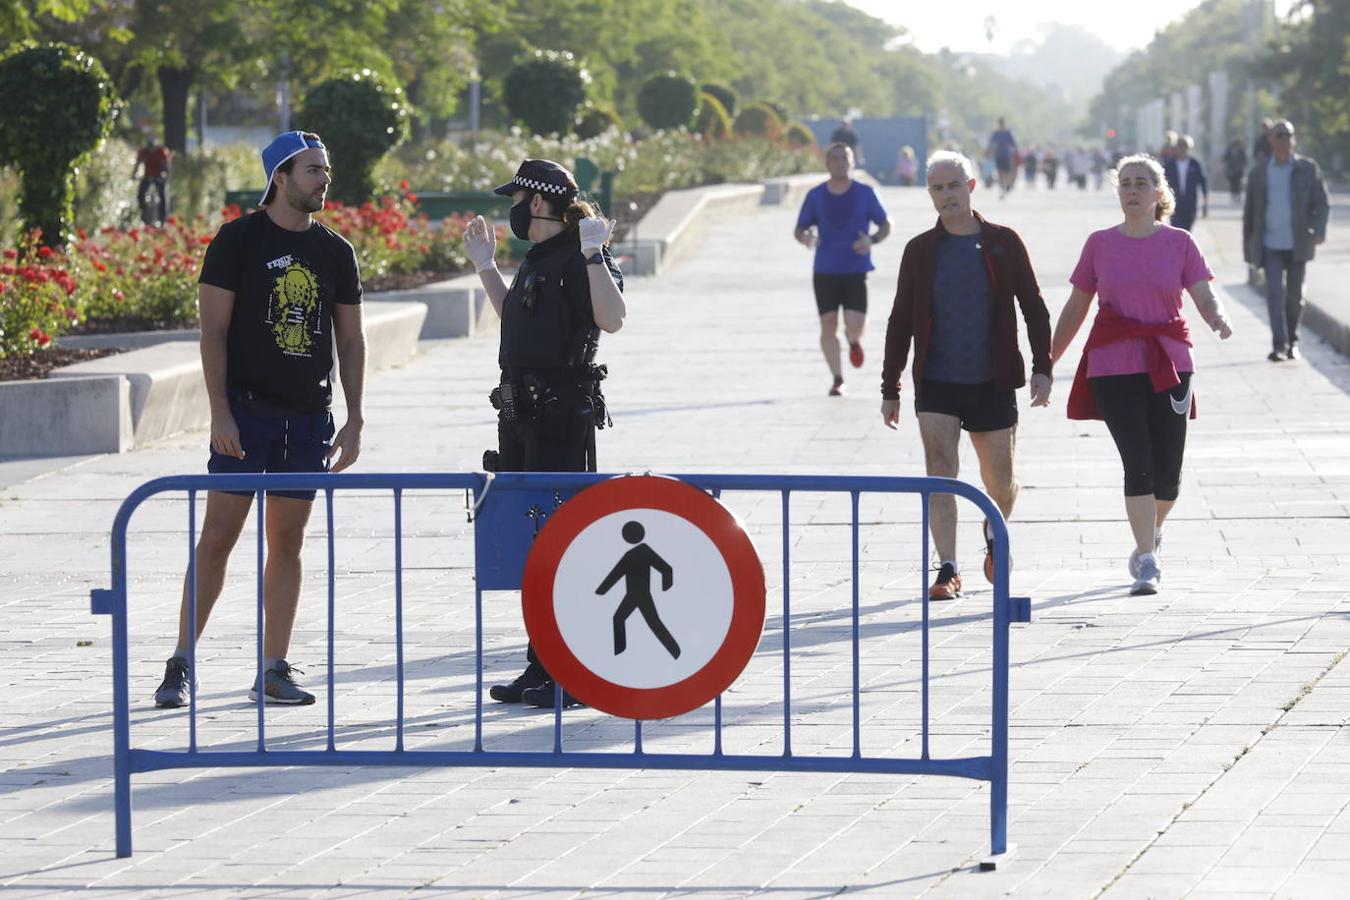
(282, 148)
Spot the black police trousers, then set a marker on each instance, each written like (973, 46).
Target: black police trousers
(561, 438)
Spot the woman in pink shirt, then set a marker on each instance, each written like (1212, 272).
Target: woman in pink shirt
(1136, 368)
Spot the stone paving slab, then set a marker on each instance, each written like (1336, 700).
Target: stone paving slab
(1189, 744)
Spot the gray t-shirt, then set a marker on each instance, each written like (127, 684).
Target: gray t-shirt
(961, 349)
(1279, 207)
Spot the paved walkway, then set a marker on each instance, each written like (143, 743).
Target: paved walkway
(1189, 744)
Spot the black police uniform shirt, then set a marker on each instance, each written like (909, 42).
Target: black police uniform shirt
(548, 309)
(280, 342)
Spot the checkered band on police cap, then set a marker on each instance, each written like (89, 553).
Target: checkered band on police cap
(542, 175)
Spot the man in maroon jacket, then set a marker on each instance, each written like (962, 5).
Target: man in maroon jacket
(955, 298)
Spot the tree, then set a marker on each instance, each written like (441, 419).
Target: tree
(60, 104)
(360, 119)
(1311, 61)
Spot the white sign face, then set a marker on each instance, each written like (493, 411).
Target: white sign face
(643, 598)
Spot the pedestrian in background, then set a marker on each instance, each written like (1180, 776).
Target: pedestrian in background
(153, 161)
(834, 221)
(1136, 370)
(1235, 166)
(1190, 187)
(1283, 221)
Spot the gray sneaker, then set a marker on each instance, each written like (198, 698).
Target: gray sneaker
(173, 690)
(1150, 576)
(280, 687)
(1134, 554)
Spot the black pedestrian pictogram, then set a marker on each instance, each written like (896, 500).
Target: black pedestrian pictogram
(635, 568)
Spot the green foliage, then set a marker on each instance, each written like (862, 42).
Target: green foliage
(758, 120)
(201, 179)
(712, 120)
(1311, 63)
(59, 104)
(545, 91)
(595, 121)
(667, 100)
(723, 94)
(798, 135)
(360, 118)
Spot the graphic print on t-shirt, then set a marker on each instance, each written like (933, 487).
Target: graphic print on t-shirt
(293, 307)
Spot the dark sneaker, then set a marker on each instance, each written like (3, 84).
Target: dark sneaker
(544, 696)
(173, 690)
(855, 354)
(837, 390)
(533, 676)
(279, 686)
(1275, 356)
(948, 584)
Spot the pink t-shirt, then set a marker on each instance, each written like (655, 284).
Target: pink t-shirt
(1141, 279)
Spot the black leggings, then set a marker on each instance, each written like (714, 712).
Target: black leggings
(1149, 430)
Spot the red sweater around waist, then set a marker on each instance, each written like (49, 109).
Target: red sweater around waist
(1110, 327)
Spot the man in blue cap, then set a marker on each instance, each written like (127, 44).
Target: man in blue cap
(277, 292)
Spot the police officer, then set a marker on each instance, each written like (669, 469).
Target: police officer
(568, 289)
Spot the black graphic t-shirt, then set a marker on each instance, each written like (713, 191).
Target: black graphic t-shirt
(280, 343)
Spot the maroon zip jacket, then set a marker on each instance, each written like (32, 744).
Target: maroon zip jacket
(1010, 275)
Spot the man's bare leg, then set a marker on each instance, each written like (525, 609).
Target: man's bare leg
(829, 341)
(223, 522)
(941, 438)
(995, 450)
(854, 323)
(286, 521)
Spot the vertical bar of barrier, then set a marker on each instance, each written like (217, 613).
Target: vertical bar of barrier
(857, 663)
(998, 779)
(332, 619)
(787, 633)
(398, 611)
(192, 621)
(478, 660)
(926, 499)
(637, 737)
(260, 684)
(557, 716)
(121, 700)
(717, 725)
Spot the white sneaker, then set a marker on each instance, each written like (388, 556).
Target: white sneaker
(1134, 554)
(1150, 576)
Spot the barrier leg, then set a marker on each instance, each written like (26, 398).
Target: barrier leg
(121, 723)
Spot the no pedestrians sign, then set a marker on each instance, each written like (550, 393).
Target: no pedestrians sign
(643, 597)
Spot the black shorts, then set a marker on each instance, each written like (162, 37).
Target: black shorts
(834, 291)
(282, 442)
(979, 406)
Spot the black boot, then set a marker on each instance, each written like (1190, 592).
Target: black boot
(544, 696)
(533, 676)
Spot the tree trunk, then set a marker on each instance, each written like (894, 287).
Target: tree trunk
(174, 87)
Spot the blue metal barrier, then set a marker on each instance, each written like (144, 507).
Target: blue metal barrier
(530, 498)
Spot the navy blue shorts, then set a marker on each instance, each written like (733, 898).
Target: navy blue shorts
(980, 407)
(281, 442)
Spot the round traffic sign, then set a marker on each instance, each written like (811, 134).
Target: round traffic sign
(643, 597)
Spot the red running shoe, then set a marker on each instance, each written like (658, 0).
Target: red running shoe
(855, 354)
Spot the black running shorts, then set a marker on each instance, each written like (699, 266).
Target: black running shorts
(980, 407)
(834, 291)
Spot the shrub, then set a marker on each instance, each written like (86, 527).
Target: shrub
(712, 120)
(667, 101)
(595, 121)
(758, 120)
(59, 104)
(35, 303)
(360, 119)
(725, 96)
(545, 91)
(798, 135)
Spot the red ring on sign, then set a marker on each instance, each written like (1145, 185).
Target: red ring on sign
(699, 509)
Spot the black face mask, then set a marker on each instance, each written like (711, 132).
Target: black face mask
(520, 218)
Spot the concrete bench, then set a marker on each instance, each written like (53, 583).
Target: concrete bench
(457, 307)
(127, 400)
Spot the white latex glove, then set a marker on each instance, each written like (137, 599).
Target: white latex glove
(595, 234)
(480, 243)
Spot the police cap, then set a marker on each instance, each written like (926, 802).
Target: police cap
(543, 175)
